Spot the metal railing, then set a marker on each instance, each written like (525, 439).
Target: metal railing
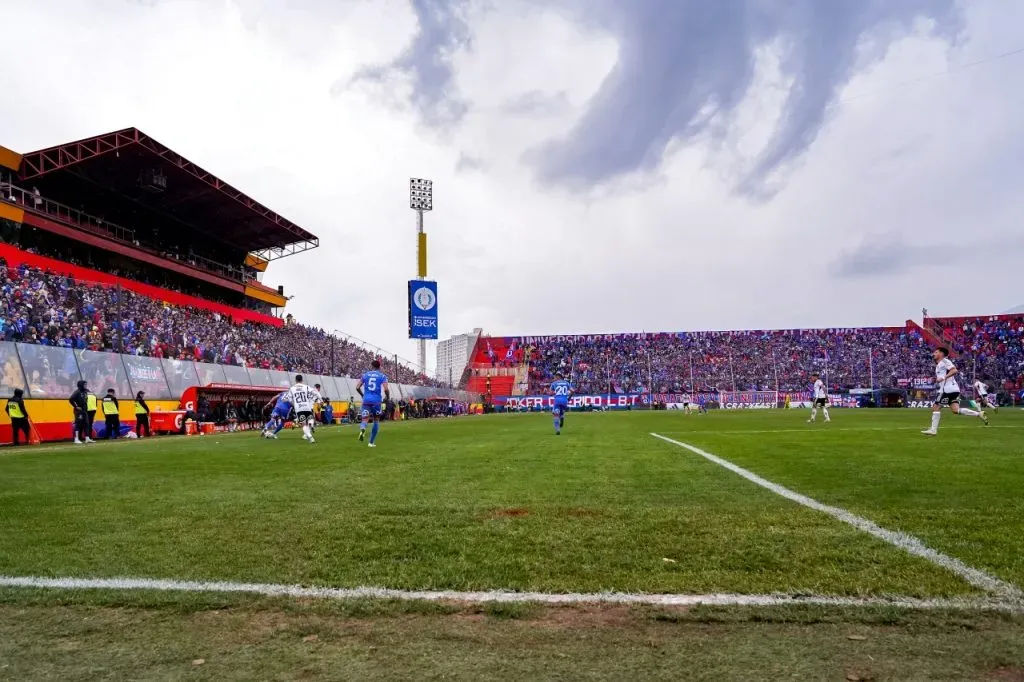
(33, 201)
(52, 372)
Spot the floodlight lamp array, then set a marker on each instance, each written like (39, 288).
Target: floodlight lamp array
(421, 194)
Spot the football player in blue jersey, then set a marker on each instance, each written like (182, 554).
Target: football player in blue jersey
(373, 389)
(282, 408)
(561, 389)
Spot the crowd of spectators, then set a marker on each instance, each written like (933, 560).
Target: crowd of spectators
(994, 346)
(769, 360)
(55, 310)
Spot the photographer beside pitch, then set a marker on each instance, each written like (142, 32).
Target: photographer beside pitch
(949, 391)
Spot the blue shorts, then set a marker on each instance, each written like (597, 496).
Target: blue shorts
(559, 410)
(370, 410)
(280, 414)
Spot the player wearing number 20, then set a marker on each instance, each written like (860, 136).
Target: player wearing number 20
(371, 387)
(304, 398)
(561, 390)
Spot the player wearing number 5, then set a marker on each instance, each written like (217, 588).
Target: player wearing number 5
(373, 389)
(561, 389)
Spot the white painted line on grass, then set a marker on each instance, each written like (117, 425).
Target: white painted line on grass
(815, 429)
(506, 597)
(103, 443)
(904, 541)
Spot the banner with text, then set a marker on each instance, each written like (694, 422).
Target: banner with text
(611, 401)
(749, 400)
(422, 309)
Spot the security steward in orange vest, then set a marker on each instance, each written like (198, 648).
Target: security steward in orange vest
(141, 415)
(19, 416)
(112, 414)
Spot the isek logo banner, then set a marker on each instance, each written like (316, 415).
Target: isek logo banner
(422, 309)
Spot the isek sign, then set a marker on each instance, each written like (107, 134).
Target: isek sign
(422, 309)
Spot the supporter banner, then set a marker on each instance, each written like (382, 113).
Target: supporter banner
(748, 400)
(803, 399)
(422, 309)
(146, 374)
(616, 401)
(681, 398)
(612, 401)
(923, 383)
(534, 340)
(683, 335)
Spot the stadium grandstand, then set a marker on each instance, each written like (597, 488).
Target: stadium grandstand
(117, 244)
(122, 202)
(895, 360)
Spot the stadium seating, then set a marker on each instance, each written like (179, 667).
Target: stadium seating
(55, 310)
(761, 359)
(994, 346)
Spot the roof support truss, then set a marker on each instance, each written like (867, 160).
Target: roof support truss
(39, 163)
(276, 252)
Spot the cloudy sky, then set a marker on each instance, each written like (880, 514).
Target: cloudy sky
(599, 165)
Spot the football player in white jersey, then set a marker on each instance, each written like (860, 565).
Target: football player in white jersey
(819, 399)
(948, 391)
(303, 398)
(983, 396)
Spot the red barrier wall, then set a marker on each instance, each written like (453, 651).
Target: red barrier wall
(16, 257)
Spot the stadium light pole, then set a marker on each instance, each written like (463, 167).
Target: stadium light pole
(775, 367)
(693, 386)
(732, 374)
(333, 340)
(421, 199)
(871, 370)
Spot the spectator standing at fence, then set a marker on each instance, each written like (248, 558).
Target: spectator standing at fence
(19, 416)
(80, 403)
(112, 414)
(141, 415)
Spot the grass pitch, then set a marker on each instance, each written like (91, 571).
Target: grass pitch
(500, 503)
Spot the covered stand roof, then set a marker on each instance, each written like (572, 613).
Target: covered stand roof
(123, 163)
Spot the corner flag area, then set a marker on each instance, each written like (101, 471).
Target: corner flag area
(691, 542)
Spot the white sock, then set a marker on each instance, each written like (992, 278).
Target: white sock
(824, 411)
(969, 413)
(305, 431)
(814, 413)
(936, 416)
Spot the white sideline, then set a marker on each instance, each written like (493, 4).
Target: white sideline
(830, 429)
(904, 541)
(506, 597)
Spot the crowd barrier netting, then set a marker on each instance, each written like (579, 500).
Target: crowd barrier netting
(49, 372)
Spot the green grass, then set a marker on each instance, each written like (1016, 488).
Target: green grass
(303, 642)
(500, 503)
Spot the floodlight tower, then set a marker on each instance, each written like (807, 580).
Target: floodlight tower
(421, 199)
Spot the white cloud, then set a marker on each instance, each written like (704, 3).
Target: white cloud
(249, 90)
